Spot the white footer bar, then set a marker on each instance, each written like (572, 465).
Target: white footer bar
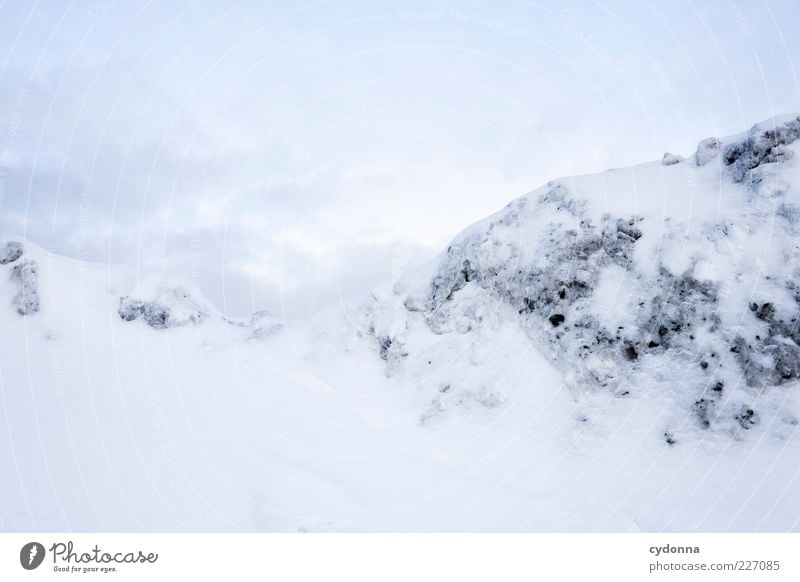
(401, 557)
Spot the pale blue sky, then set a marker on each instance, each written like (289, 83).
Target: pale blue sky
(287, 154)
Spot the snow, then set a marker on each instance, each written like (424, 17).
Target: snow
(449, 399)
(614, 298)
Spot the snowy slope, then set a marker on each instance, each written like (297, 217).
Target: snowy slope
(610, 352)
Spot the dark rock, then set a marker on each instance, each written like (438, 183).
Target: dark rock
(766, 312)
(703, 411)
(747, 418)
(155, 315)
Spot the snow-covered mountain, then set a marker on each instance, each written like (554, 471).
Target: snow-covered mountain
(617, 351)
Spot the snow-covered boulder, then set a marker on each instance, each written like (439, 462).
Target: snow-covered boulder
(170, 307)
(25, 276)
(660, 277)
(263, 325)
(707, 150)
(765, 143)
(10, 252)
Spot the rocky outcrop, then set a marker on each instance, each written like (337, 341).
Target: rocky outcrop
(763, 145)
(560, 267)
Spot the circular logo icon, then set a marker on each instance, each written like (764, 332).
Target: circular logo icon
(31, 555)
